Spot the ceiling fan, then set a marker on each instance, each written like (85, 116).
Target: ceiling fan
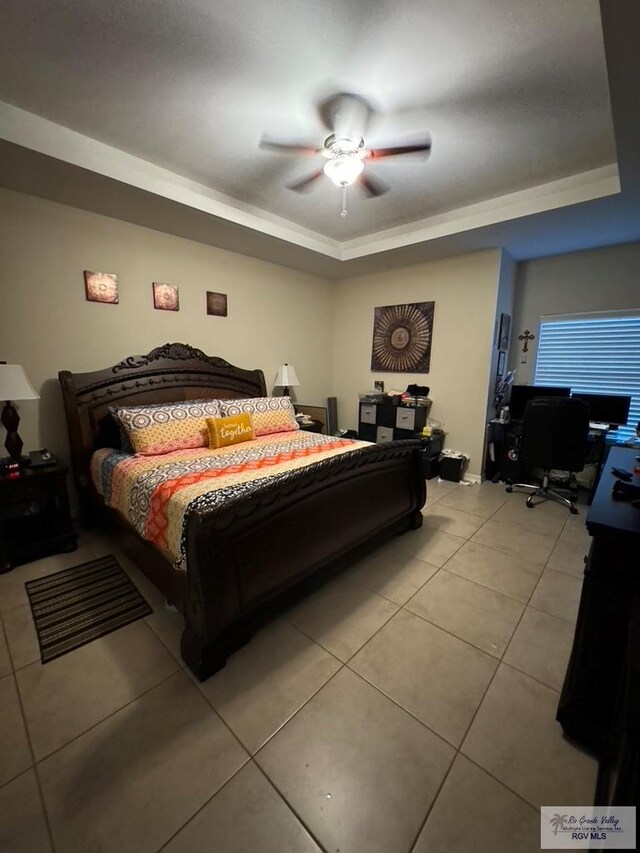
(347, 116)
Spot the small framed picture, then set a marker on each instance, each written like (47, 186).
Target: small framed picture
(165, 297)
(502, 357)
(505, 328)
(101, 287)
(379, 386)
(216, 304)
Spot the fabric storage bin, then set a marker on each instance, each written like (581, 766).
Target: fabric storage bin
(384, 434)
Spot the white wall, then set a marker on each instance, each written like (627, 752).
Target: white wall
(598, 280)
(275, 314)
(465, 290)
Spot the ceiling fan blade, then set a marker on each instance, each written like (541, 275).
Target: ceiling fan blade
(288, 147)
(305, 184)
(394, 151)
(372, 186)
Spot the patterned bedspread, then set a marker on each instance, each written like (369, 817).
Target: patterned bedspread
(156, 493)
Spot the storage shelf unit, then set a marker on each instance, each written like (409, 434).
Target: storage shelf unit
(385, 422)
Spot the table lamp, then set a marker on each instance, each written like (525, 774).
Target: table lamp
(286, 378)
(14, 385)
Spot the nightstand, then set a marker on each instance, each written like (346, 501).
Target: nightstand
(314, 426)
(35, 520)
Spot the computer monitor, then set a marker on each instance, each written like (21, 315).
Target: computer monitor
(521, 394)
(611, 409)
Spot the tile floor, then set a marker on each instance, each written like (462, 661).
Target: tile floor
(407, 705)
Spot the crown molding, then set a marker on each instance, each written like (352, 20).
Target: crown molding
(46, 137)
(584, 186)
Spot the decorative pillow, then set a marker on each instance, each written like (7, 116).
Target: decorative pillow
(153, 430)
(269, 414)
(231, 430)
(123, 436)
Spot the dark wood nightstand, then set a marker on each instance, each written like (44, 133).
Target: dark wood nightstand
(314, 426)
(34, 516)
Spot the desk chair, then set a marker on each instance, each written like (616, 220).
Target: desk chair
(554, 436)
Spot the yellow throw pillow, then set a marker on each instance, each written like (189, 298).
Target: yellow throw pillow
(232, 430)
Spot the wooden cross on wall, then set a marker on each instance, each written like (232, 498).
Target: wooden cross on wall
(526, 336)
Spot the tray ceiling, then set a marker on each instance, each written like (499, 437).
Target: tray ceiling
(514, 94)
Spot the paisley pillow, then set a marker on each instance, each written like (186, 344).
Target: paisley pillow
(153, 430)
(269, 414)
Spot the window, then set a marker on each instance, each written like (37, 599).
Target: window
(593, 354)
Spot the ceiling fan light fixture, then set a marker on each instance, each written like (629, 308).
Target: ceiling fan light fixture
(343, 169)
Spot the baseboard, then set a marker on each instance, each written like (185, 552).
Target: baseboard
(472, 478)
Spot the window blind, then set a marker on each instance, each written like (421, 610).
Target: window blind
(593, 355)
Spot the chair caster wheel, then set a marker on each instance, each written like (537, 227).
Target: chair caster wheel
(508, 489)
(573, 510)
(529, 504)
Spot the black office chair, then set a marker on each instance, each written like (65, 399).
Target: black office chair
(554, 437)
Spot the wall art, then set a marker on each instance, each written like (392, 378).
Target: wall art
(101, 287)
(216, 304)
(505, 328)
(165, 297)
(402, 338)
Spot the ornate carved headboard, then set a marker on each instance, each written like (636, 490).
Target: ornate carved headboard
(168, 373)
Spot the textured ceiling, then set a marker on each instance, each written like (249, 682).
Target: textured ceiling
(513, 92)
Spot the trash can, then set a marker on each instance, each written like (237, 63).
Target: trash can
(430, 453)
(451, 467)
(429, 465)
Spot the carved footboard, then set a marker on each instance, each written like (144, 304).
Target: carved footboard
(249, 554)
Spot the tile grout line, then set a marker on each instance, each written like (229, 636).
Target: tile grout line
(290, 807)
(181, 664)
(457, 751)
(346, 664)
(34, 766)
(252, 756)
(107, 717)
(478, 583)
(343, 664)
(491, 680)
(421, 722)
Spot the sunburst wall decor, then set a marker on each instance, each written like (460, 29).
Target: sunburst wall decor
(402, 338)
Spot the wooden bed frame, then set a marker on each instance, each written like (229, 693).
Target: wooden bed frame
(246, 558)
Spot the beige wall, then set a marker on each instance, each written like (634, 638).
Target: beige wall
(598, 280)
(275, 314)
(465, 291)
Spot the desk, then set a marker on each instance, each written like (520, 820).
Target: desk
(502, 463)
(600, 700)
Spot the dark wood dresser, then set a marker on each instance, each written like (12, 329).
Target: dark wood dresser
(600, 701)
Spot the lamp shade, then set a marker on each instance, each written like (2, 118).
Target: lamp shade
(14, 384)
(286, 376)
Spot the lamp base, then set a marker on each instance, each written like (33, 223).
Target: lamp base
(10, 420)
(285, 391)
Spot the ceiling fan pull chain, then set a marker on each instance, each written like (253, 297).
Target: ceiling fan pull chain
(344, 210)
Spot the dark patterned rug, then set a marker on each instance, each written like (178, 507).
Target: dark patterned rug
(78, 605)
